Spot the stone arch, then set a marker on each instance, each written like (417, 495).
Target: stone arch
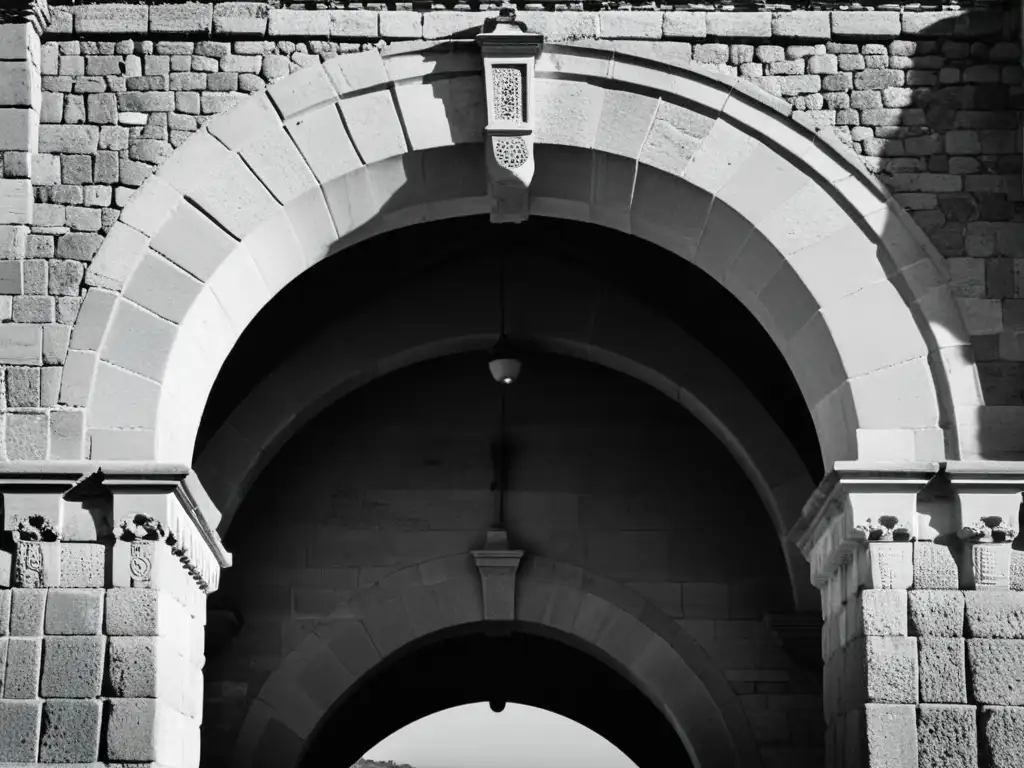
(661, 659)
(846, 285)
(579, 316)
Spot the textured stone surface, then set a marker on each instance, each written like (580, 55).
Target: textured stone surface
(884, 611)
(19, 730)
(70, 730)
(891, 731)
(947, 736)
(74, 612)
(936, 613)
(1001, 736)
(995, 671)
(995, 614)
(942, 669)
(72, 667)
(934, 567)
(892, 670)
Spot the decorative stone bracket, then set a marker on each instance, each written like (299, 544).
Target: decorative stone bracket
(860, 514)
(861, 517)
(498, 565)
(509, 52)
(162, 523)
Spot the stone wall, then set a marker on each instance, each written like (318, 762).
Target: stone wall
(940, 669)
(605, 474)
(929, 100)
(101, 634)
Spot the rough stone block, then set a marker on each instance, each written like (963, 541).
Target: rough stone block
(942, 662)
(19, 731)
(243, 19)
(28, 607)
(15, 201)
(884, 611)
(1001, 736)
(935, 567)
(874, 24)
(947, 736)
(891, 731)
(135, 611)
(111, 18)
(456, 24)
(744, 25)
(995, 671)
(618, 25)
(69, 139)
(995, 614)
(802, 25)
(72, 667)
(139, 730)
(180, 17)
(21, 344)
(83, 565)
(685, 24)
(936, 613)
(145, 667)
(25, 435)
(891, 669)
(74, 612)
(70, 731)
(24, 663)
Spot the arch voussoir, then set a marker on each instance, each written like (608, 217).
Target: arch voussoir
(253, 183)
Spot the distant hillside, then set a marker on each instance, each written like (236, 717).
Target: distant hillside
(379, 764)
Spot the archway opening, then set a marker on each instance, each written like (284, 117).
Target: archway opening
(481, 736)
(510, 662)
(365, 273)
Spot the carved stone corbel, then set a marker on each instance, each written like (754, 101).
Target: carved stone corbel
(509, 52)
(498, 565)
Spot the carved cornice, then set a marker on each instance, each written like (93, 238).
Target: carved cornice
(186, 524)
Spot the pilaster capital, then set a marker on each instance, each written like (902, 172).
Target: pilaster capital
(135, 503)
(987, 499)
(859, 504)
(34, 12)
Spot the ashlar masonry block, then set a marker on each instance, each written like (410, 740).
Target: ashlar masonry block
(72, 667)
(142, 730)
(70, 731)
(19, 730)
(947, 736)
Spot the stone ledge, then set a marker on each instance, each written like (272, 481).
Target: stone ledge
(249, 20)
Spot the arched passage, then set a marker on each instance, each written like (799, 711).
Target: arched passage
(843, 282)
(594, 615)
(517, 663)
(559, 308)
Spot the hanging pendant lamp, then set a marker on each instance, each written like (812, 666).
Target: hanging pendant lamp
(504, 363)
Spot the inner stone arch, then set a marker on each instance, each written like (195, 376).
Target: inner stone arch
(513, 662)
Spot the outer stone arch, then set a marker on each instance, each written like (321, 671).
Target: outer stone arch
(574, 315)
(842, 280)
(660, 658)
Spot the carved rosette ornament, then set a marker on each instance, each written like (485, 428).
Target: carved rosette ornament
(508, 53)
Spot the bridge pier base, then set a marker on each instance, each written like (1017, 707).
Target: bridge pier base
(922, 635)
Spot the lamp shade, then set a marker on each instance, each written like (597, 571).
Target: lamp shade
(505, 364)
(505, 370)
